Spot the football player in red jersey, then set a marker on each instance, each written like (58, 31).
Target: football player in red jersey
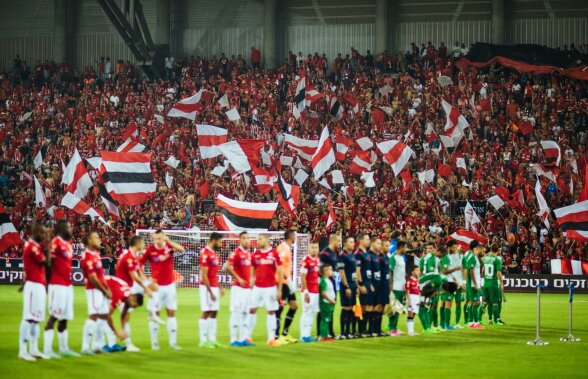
(61, 294)
(97, 294)
(129, 270)
(160, 255)
(309, 273)
(239, 267)
(265, 262)
(34, 263)
(209, 291)
(123, 298)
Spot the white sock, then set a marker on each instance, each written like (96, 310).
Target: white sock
(35, 332)
(153, 330)
(62, 338)
(270, 324)
(153, 303)
(88, 332)
(128, 341)
(24, 337)
(234, 325)
(251, 321)
(410, 325)
(172, 330)
(243, 326)
(305, 324)
(101, 326)
(212, 329)
(110, 336)
(48, 341)
(203, 330)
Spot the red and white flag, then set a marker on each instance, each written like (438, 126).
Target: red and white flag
(127, 177)
(76, 204)
(573, 220)
(335, 108)
(568, 266)
(131, 132)
(332, 218)
(244, 216)
(324, 156)
(76, 177)
(131, 146)
(40, 198)
(9, 236)
(543, 207)
(365, 143)
(108, 201)
(471, 218)
(187, 108)
(456, 123)
(209, 138)
(361, 162)
(342, 145)
(300, 95)
(552, 152)
(242, 154)
(288, 194)
(263, 180)
(312, 95)
(304, 147)
(395, 153)
(542, 171)
(465, 237)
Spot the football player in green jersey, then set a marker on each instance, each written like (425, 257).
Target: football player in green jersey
(472, 266)
(493, 285)
(445, 266)
(398, 284)
(430, 284)
(429, 263)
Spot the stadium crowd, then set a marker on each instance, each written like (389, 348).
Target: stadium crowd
(56, 108)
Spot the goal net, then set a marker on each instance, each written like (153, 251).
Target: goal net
(186, 264)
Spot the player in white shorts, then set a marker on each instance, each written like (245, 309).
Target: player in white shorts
(239, 267)
(61, 294)
(33, 310)
(160, 256)
(309, 273)
(209, 291)
(98, 296)
(266, 262)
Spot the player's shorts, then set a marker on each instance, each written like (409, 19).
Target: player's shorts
(206, 302)
(400, 296)
(97, 302)
(435, 299)
(348, 301)
(61, 300)
(313, 305)
(367, 298)
(445, 296)
(287, 295)
(136, 287)
(240, 299)
(459, 295)
(33, 306)
(492, 294)
(383, 297)
(168, 298)
(375, 294)
(415, 301)
(472, 294)
(264, 297)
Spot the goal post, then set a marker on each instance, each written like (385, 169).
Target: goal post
(186, 264)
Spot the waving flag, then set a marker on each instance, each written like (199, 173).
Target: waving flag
(456, 122)
(360, 163)
(365, 143)
(324, 156)
(9, 236)
(332, 218)
(304, 147)
(395, 153)
(342, 145)
(496, 202)
(300, 95)
(40, 199)
(242, 154)
(573, 220)
(209, 137)
(288, 194)
(471, 218)
(131, 132)
(465, 237)
(110, 204)
(187, 108)
(427, 176)
(76, 204)
(552, 152)
(76, 177)
(542, 171)
(38, 161)
(567, 266)
(543, 207)
(244, 216)
(263, 180)
(335, 108)
(127, 177)
(131, 146)
(312, 95)
(172, 161)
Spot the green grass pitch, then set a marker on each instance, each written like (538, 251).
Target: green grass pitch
(496, 352)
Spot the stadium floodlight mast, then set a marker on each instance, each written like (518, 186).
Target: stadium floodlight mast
(570, 337)
(538, 341)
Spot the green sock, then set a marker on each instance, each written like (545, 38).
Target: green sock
(457, 313)
(447, 312)
(434, 316)
(442, 317)
(490, 311)
(496, 312)
(423, 318)
(480, 312)
(499, 308)
(393, 323)
(474, 314)
(466, 313)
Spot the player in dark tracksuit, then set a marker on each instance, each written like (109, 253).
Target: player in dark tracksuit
(384, 293)
(329, 256)
(363, 260)
(374, 316)
(348, 271)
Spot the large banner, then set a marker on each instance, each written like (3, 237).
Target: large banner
(11, 271)
(552, 283)
(478, 205)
